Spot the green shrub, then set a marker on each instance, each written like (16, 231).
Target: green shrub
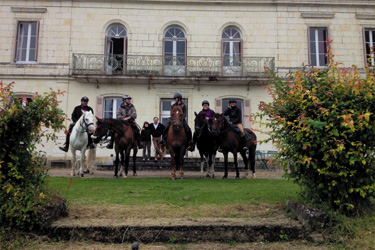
(24, 197)
(322, 120)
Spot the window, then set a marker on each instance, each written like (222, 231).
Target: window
(27, 37)
(174, 51)
(232, 47)
(165, 109)
(370, 44)
(318, 47)
(110, 106)
(116, 49)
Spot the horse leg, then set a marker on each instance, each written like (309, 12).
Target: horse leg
(246, 163)
(213, 166)
(117, 160)
(225, 165)
(236, 164)
(173, 163)
(202, 164)
(127, 159)
(74, 163)
(252, 153)
(83, 161)
(134, 160)
(181, 162)
(123, 160)
(209, 164)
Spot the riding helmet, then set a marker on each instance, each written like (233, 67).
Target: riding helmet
(205, 102)
(177, 95)
(84, 99)
(232, 100)
(126, 97)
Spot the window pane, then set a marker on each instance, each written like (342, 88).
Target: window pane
(180, 48)
(312, 47)
(321, 35)
(322, 60)
(32, 55)
(313, 59)
(166, 105)
(33, 29)
(312, 35)
(373, 36)
(367, 36)
(168, 47)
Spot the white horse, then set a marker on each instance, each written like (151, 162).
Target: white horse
(79, 140)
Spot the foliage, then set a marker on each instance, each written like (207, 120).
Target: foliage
(24, 197)
(322, 120)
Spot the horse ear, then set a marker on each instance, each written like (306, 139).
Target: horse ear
(195, 113)
(98, 119)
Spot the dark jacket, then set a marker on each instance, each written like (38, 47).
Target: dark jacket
(209, 113)
(146, 133)
(158, 131)
(183, 109)
(77, 112)
(234, 113)
(124, 111)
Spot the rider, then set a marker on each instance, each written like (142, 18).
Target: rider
(127, 112)
(235, 118)
(77, 112)
(209, 113)
(178, 98)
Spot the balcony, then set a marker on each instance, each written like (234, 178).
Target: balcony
(187, 67)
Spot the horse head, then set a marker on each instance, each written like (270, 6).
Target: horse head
(88, 121)
(177, 117)
(200, 122)
(218, 123)
(102, 127)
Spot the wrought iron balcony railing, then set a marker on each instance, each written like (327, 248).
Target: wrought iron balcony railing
(188, 66)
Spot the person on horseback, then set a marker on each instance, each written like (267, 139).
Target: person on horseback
(77, 112)
(235, 118)
(127, 112)
(191, 146)
(209, 113)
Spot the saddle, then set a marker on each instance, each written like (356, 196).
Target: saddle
(237, 129)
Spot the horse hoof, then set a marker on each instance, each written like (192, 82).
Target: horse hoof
(82, 175)
(86, 171)
(225, 177)
(237, 177)
(254, 176)
(135, 174)
(173, 178)
(115, 176)
(182, 177)
(91, 173)
(213, 177)
(208, 176)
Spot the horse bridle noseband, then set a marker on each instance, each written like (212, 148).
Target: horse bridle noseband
(86, 128)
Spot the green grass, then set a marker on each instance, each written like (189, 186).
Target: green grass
(159, 191)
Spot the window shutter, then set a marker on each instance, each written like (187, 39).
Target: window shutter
(309, 45)
(246, 113)
(17, 39)
(36, 41)
(218, 106)
(99, 106)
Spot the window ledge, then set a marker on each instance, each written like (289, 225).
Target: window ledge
(365, 16)
(319, 15)
(25, 63)
(28, 10)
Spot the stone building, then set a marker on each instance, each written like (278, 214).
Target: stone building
(149, 49)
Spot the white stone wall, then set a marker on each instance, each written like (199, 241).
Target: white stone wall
(273, 29)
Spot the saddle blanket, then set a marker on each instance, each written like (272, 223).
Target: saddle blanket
(247, 135)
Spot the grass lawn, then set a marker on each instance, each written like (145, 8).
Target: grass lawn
(156, 191)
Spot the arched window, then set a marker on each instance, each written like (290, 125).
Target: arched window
(174, 51)
(116, 49)
(231, 50)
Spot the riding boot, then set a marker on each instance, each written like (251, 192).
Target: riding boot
(243, 142)
(110, 144)
(90, 145)
(66, 145)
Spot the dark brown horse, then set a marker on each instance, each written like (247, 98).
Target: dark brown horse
(230, 142)
(176, 141)
(124, 142)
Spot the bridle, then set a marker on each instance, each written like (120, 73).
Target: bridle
(200, 129)
(86, 127)
(220, 128)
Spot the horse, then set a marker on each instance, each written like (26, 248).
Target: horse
(79, 140)
(176, 141)
(124, 142)
(230, 142)
(206, 144)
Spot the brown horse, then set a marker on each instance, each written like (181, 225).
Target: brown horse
(230, 142)
(176, 141)
(124, 142)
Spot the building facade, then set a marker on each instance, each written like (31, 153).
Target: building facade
(150, 49)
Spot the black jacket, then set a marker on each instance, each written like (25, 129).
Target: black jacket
(146, 133)
(234, 113)
(158, 131)
(77, 112)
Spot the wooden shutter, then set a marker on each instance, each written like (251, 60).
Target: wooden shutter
(17, 40)
(218, 106)
(37, 41)
(99, 106)
(246, 113)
